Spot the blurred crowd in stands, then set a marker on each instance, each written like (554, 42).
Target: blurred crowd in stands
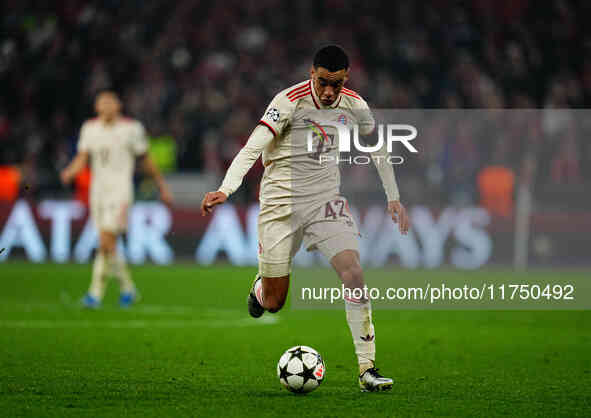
(199, 74)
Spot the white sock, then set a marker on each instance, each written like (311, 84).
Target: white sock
(121, 272)
(99, 280)
(258, 291)
(362, 331)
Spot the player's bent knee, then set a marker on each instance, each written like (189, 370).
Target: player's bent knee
(352, 276)
(108, 243)
(107, 249)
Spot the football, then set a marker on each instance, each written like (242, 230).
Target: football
(301, 369)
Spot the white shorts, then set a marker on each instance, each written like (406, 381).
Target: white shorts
(110, 215)
(329, 228)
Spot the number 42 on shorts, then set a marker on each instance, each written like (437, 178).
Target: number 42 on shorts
(336, 209)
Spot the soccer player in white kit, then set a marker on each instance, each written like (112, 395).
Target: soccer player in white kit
(300, 200)
(112, 143)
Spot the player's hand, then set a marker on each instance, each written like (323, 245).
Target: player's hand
(210, 200)
(399, 216)
(166, 195)
(66, 177)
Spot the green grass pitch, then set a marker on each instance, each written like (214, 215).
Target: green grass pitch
(189, 349)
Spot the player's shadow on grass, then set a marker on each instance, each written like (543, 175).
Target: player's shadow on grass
(280, 393)
(332, 393)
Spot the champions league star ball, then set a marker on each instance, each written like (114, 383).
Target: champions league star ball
(301, 369)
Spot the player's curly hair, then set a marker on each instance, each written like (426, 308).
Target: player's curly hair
(331, 57)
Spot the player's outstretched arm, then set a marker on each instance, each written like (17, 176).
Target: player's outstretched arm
(386, 172)
(68, 174)
(258, 140)
(152, 170)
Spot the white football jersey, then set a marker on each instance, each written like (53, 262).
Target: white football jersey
(300, 145)
(294, 174)
(113, 149)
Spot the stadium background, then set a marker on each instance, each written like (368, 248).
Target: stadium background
(199, 74)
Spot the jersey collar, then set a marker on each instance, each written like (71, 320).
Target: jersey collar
(317, 102)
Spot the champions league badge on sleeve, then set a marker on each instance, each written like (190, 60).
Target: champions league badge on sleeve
(273, 114)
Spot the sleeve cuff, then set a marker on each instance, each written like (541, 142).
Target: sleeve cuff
(392, 197)
(225, 191)
(262, 122)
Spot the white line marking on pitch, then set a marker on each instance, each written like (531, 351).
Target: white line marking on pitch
(134, 323)
(140, 308)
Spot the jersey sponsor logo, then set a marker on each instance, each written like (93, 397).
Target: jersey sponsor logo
(324, 145)
(273, 114)
(324, 142)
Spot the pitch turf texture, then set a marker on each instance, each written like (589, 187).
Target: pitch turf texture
(189, 349)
